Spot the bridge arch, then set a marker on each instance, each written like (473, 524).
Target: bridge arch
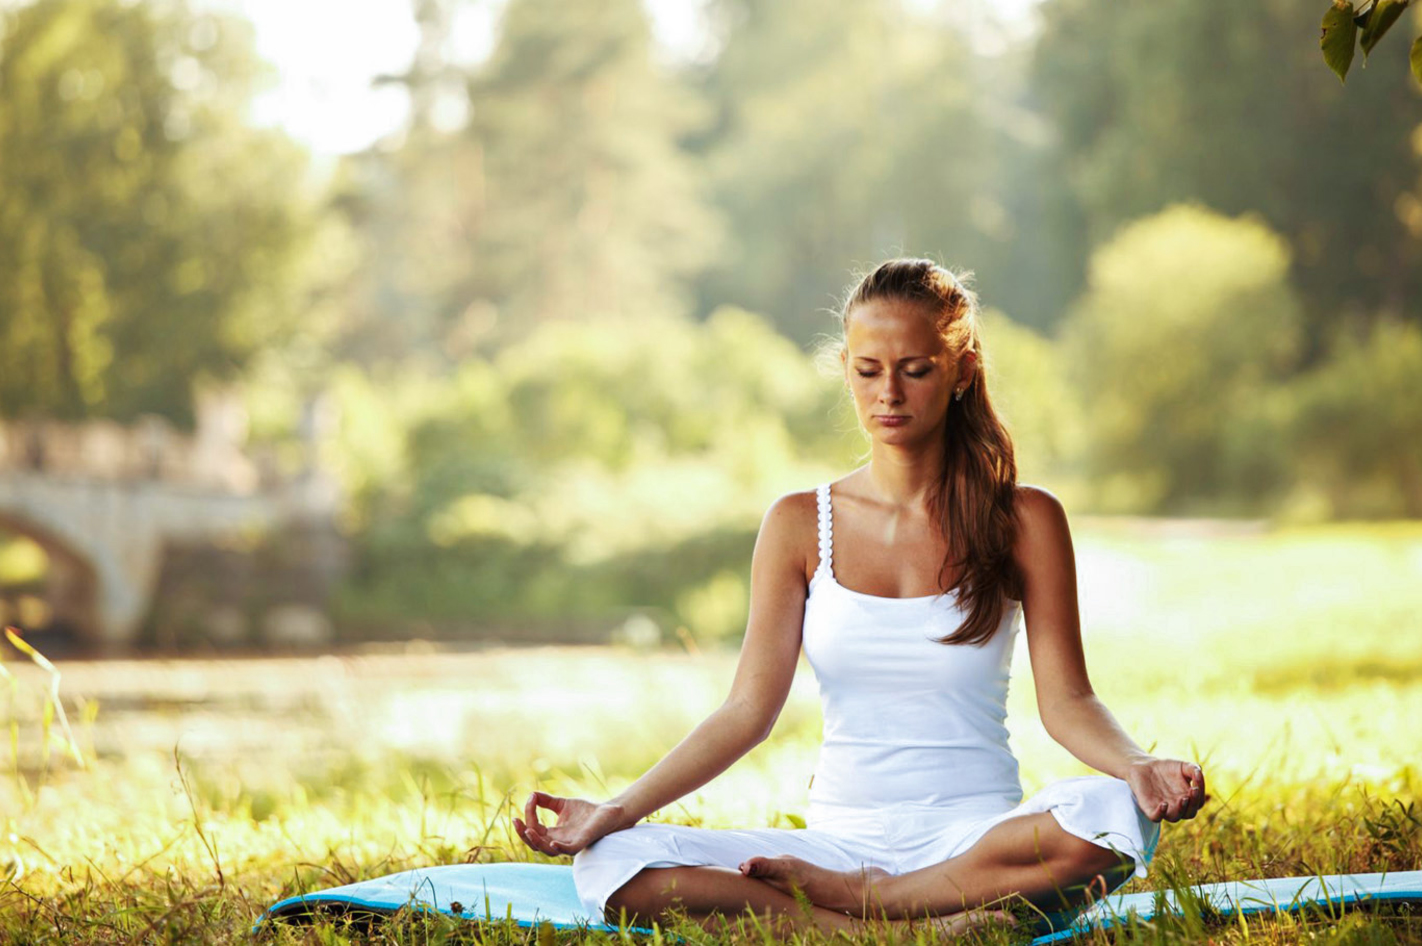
(71, 583)
(91, 530)
(106, 503)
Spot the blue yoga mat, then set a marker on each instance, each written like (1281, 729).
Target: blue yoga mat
(1272, 895)
(528, 894)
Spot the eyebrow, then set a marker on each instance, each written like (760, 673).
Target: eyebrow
(901, 360)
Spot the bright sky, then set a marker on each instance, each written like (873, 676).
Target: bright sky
(325, 97)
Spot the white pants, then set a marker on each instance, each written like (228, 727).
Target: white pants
(1096, 808)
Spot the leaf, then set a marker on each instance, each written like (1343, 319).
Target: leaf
(1336, 41)
(1417, 59)
(52, 705)
(1384, 14)
(23, 646)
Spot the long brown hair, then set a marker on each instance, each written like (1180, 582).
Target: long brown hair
(974, 500)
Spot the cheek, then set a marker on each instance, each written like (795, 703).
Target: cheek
(935, 394)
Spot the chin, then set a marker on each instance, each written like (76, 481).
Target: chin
(897, 435)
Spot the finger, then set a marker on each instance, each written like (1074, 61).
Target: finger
(536, 835)
(522, 833)
(553, 803)
(539, 842)
(1195, 777)
(552, 843)
(530, 809)
(1176, 809)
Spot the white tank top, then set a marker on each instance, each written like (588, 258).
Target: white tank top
(908, 722)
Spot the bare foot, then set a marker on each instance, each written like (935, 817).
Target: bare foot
(955, 924)
(845, 891)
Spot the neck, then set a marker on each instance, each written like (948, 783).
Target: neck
(906, 475)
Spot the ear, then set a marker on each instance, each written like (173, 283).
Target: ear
(967, 367)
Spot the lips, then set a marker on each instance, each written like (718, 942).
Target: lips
(892, 420)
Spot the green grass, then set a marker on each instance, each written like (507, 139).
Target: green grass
(1288, 663)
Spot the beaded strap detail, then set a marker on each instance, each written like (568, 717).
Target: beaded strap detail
(822, 496)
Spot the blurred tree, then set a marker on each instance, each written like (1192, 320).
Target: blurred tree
(1164, 102)
(561, 191)
(1030, 386)
(592, 467)
(844, 139)
(588, 203)
(1357, 429)
(415, 201)
(1178, 349)
(147, 236)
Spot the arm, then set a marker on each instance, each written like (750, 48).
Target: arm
(1069, 707)
(762, 682)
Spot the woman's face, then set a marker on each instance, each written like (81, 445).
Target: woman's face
(899, 371)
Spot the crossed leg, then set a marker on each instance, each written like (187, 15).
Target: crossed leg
(711, 896)
(1029, 856)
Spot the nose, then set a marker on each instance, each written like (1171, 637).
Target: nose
(892, 392)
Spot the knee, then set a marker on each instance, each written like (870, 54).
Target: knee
(1083, 860)
(634, 899)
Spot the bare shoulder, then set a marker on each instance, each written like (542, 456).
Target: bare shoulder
(1037, 508)
(788, 532)
(1041, 523)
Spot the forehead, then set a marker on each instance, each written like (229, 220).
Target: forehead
(891, 328)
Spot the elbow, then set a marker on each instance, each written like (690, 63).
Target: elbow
(762, 732)
(1058, 715)
(752, 723)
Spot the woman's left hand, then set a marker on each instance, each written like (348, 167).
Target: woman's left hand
(1167, 789)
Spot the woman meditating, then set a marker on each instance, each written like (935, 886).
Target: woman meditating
(905, 583)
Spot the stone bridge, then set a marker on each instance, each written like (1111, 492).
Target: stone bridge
(104, 501)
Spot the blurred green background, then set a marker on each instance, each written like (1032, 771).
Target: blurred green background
(341, 344)
(529, 360)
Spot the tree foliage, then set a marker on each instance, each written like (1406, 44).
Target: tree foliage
(566, 194)
(841, 140)
(148, 236)
(1187, 327)
(592, 464)
(589, 204)
(1165, 102)
(1343, 25)
(1031, 389)
(1357, 429)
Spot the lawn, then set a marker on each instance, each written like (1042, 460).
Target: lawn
(1287, 661)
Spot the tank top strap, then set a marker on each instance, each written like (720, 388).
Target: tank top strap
(826, 531)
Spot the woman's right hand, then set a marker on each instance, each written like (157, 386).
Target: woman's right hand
(579, 823)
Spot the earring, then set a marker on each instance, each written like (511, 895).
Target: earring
(958, 395)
